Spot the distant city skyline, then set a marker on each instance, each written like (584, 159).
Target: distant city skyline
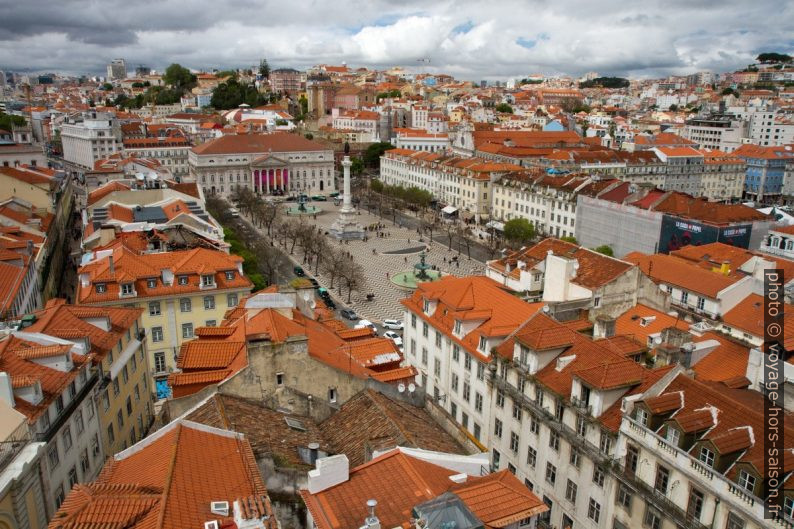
(469, 40)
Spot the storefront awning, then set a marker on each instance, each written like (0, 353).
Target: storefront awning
(495, 224)
(449, 210)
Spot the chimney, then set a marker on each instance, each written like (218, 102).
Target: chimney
(371, 522)
(725, 268)
(6, 391)
(329, 471)
(110, 265)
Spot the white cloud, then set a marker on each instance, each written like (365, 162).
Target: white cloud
(465, 38)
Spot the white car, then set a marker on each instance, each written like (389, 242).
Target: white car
(393, 336)
(395, 325)
(366, 323)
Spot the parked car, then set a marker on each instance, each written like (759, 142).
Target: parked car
(393, 336)
(319, 198)
(334, 194)
(314, 282)
(298, 271)
(234, 213)
(395, 325)
(350, 314)
(366, 323)
(329, 303)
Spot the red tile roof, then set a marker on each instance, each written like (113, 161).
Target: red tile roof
(257, 143)
(679, 272)
(168, 481)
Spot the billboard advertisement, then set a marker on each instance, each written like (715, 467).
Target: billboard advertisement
(677, 233)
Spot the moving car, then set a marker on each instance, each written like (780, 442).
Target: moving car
(393, 336)
(350, 314)
(395, 325)
(298, 271)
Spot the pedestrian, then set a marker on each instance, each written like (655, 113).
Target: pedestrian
(445, 259)
(457, 263)
(405, 259)
(387, 275)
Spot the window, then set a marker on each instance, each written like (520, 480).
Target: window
(701, 305)
(413, 347)
(231, 300)
(111, 434)
(653, 518)
(209, 302)
(532, 456)
(554, 441)
(72, 477)
(642, 416)
(182, 280)
(511, 468)
(332, 395)
(120, 419)
(101, 288)
(126, 289)
(137, 393)
(594, 510)
(464, 420)
(59, 404)
(528, 484)
(632, 458)
(413, 321)
(596, 302)
(477, 402)
(125, 374)
(453, 410)
(517, 412)
(605, 443)
(458, 327)
(129, 406)
(476, 431)
(480, 371)
(483, 344)
(534, 426)
(79, 425)
(746, 481)
(159, 362)
(187, 330)
(695, 505)
(466, 391)
(52, 456)
(673, 436)
(539, 395)
(581, 425)
(454, 383)
(514, 442)
(624, 497)
(207, 280)
(424, 329)
(157, 334)
(788, 507)
(497, 428)
(559, 409)
(185, 305)
(551, 473)
(467, 362)
(424, 356)
(684, 297)
(735, 522)
(500, 398)
(662, 479)
(85, 463)
(570, 491)
(116, 387)
(575, 458)
(151, 283)
(496, 458)
(59, 496)
(598, 476)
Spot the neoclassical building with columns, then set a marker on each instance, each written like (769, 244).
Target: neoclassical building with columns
(268, 164)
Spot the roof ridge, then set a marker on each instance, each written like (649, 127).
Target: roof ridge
(392, 420)
(222, 410)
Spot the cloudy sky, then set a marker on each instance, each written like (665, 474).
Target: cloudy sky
(471, 40)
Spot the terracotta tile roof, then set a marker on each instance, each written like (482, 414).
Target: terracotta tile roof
(665, 403)
(595, 269)
(696, 420)
(623, 345)
(131, 267)
(640, 322)
(257, 143)
(101, 192)
(11, 279)
(30, 175)
(612, 375)
(739, 418)
(679, 272)
(499, 499)
(167, 481)
(457, 296)
(197, 377)
(726, 362)
(748, 316)
(371, 421)
(699, 208)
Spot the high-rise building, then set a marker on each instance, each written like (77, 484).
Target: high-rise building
(94, 136)
(117, 69)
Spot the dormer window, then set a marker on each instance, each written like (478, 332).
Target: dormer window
(229, 275)
(426, 306)
(706, 456)
(182, 280)
(746, 481)
(126, 289)
(458, 327)
(207, 280)
(673, 436)
(151, 283)
(101, 288)
(642, 416)
(483, 344)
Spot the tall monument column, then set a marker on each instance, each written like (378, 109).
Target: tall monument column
(346, 226)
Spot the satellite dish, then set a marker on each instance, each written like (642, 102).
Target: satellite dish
(411, 387)
(401, 387)
(657, 340)
(545, 309)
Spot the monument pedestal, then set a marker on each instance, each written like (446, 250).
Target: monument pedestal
(346, 227)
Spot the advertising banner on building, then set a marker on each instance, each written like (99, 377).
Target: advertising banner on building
(677, 233)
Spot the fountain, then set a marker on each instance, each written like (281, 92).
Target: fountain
(422, 272)
(302, 208)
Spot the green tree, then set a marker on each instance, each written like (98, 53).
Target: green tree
(357, 167)
(505, 108)
(519, 231)
(232, 94)
(376, 186)
(391, 93)
(309, 136)
(673, 108)
(108, 87)
(571, 239)
(605, 249)
(7, 121)
(773, 57)
(264, 69)
(226, 73)
(605, 82)
(178, 77)
(373, 153)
